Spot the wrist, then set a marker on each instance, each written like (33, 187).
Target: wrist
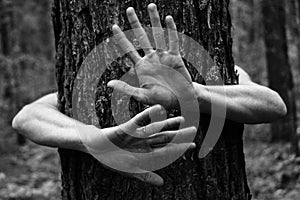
(97, 141)
(202, 95)
(85, 133)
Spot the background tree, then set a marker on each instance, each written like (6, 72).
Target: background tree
(248, 45)
(25, 46)
(11, 84)
(279, 68)
(293, 23)
(79, 27)
(244, 12)
(6, 26)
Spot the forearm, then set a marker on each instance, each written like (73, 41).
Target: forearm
(249, 104)
(43, 124)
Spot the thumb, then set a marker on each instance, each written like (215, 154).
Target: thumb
(150, 177)
(121, 86)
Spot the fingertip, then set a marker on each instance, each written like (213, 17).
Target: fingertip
(194, 129)
(182, 120)
(111, 83)
(158, 180)
(192, 146)
(158, 107)
(130, 11)
(179, 119)
(160, 110)
(115, 26)
(116, 29)
(169, 19)
(151, 178)
(152, 7)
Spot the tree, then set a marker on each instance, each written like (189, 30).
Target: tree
(6, 26)
(293, 22)
(12, 84)
(244, 12)
(79, 26)
(279, 69)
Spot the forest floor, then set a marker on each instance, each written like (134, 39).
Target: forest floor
(273, 173)
(32, 172)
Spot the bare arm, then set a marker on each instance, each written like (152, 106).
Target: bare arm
(247, 103)
(42, 123)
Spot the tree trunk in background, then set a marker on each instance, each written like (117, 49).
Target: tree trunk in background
(12, 85)
(247, 13)
(293, 21)
(45, 26)
(298, 36)
(246, 25)
(298, 15)
(252, 26)
(79, 26)
(279, 69)
(5, 26)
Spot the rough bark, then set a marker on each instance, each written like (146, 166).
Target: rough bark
(79, 26)
(279, 69)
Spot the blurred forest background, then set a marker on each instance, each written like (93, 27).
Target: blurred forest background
(266, 36)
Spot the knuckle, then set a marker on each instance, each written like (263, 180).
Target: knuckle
(155, 20)
(135, 23)
(166, 138)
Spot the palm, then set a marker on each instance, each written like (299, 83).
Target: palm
(132, 148)
(164, 58)
(164, 78)
(162, 75)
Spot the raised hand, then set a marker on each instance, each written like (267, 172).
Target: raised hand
(136, 150)
(162, 75)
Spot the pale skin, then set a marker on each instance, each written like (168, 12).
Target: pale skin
(42, 123)
(247, 103)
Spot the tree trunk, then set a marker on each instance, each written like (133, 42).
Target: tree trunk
(12, 85)
(279, 69)
(79, 26)
(293, 21)
(298, 31)
(5, 26)
(298, 44)
(44, 27)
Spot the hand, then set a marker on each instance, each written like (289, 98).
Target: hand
(136, 150)
(162, 74)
